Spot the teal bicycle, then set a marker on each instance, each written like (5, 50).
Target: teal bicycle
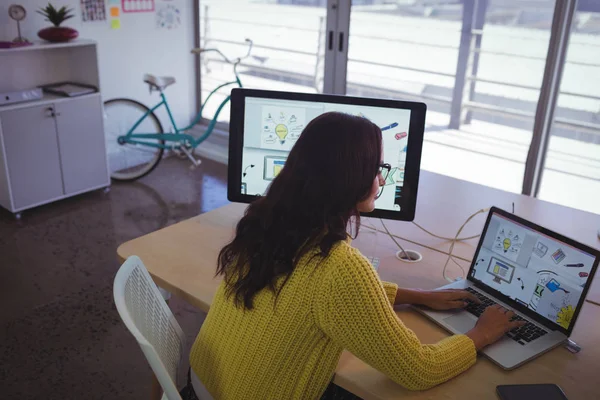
(135, 137)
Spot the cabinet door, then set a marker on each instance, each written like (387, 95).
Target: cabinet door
(32, 155)
(81, 141)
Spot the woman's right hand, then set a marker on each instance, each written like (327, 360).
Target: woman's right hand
(492, 325)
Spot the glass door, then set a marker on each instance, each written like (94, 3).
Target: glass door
(477, 64)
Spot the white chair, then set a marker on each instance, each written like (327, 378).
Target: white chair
(147, 316)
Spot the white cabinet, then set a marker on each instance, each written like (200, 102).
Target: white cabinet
(32, 158)
(52, 151)
(54, 147)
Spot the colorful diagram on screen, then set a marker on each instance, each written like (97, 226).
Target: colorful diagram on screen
(558, 256)
(565, 315)
(400, 135)
(273, 166)
(540, 249)
(540, 287)
(501, 271)
(281, 127)
(554, 299)
(508, 242)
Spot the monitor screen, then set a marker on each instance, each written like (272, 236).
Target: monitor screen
(538, 271)
(265, 126)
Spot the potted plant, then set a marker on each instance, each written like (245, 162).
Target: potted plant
(57, 33)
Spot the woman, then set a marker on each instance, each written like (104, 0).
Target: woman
(295, 293)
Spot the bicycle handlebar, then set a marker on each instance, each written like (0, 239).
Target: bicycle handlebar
(250, 44)
(235, 61)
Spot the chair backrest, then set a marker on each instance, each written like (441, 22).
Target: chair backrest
(149, 319)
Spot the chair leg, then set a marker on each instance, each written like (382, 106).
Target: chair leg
(155, 390)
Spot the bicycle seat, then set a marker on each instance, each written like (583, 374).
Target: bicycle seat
(159, 82)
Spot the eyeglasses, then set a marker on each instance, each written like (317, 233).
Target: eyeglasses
(383, 170)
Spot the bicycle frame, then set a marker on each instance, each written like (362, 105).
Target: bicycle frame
(177, 136)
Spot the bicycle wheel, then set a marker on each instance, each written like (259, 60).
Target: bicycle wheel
(128, 161)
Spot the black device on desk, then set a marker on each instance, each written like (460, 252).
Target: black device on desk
(545, 391)
(264, 126)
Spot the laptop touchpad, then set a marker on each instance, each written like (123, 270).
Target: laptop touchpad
(461, 322)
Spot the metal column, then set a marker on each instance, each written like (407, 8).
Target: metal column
(462, 63)
(564, 11)
(478, 24)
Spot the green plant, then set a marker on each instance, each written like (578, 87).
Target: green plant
(56, 17)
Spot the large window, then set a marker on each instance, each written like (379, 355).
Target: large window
(477, 64)
(287, 53)
(481, 66)
(572, 169)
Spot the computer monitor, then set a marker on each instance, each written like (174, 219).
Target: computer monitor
(264, 126)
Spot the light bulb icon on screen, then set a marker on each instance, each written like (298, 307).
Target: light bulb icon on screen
(281, 131)
(506, 244)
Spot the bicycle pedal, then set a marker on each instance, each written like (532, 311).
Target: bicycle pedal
(195, 164)
(191, 157)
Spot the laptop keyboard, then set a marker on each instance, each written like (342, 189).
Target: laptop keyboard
(521, 335)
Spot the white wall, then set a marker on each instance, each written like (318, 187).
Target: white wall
(126, 54)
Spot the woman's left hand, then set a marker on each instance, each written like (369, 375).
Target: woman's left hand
(447, 299)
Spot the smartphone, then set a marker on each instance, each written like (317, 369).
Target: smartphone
(546, 391)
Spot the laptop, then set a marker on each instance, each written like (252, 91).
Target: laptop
(539, 274)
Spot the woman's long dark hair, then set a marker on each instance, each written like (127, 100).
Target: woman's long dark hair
(308, 205)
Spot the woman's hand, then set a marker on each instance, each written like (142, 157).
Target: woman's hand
(447, 299)
(492, 325)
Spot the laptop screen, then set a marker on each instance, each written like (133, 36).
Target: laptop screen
(541, 273)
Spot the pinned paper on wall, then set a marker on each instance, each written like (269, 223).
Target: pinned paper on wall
(135, 6)
(115, 13)
(168, 15)
(93, 10)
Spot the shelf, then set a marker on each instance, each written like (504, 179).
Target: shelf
(40, 45)
(47, 99)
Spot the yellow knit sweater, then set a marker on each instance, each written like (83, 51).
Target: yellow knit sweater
(291, 350)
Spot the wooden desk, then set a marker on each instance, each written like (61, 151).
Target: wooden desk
(444, 203)
(182, 259)
(575, 373)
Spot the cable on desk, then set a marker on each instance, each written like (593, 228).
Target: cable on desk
(407, 257)
(594, 302)
(459, 266)
(445, 238)
(454, 242)
(394, 239)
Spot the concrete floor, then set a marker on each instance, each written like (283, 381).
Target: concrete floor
(60, 334)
